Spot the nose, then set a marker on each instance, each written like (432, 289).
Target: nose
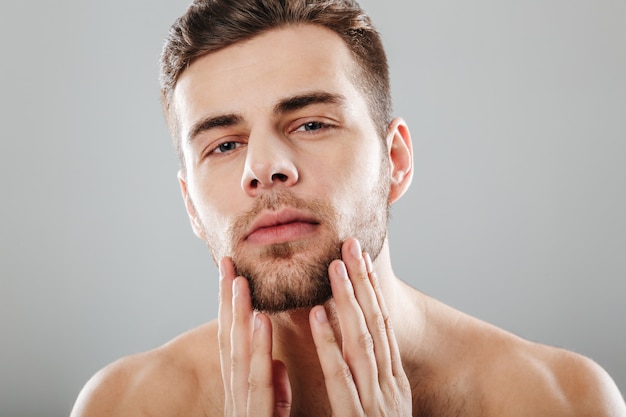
(269, 162)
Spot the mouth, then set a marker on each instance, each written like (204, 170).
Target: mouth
(281, 226)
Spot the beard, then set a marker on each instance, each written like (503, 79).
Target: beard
(289, 275)
(294, 275)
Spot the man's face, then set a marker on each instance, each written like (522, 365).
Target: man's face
(283, 162)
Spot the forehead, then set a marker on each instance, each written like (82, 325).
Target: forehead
(258, 72)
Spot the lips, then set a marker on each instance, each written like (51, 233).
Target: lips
(280, 226)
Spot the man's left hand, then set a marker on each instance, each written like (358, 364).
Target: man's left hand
(364, 377)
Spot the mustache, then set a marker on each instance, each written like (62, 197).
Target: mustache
(317, 207)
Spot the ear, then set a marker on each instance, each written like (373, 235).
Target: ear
(196, 225)
(400, 153)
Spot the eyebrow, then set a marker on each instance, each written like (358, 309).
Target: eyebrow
(212, 122)
(286, 105)
(301, 101)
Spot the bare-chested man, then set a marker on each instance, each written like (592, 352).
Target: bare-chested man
(280, 111)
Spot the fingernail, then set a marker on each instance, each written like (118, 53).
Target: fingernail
(355, 249)
(320, 315)
(257, 322)
(235, 288)
(340, 269)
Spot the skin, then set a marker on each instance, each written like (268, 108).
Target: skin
(379, 347)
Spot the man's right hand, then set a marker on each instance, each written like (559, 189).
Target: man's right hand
(254, 383)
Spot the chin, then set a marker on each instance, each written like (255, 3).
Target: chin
(281, 303)
(288, 278)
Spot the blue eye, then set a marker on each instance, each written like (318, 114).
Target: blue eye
(311, 127)
(226, 146)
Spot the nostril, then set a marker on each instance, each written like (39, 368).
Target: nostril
(280, 177)
(254, 183)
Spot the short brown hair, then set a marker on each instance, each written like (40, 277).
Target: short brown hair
(209, 25)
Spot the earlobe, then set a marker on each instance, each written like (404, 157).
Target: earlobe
(400, 153)
(196, 225)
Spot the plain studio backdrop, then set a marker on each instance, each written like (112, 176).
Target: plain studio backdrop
(516, 214)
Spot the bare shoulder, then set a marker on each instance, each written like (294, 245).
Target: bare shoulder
(480, 369)
(181, 377)
(545, 380)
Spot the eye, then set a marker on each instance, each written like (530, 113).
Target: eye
(226, 147)
(311, 126)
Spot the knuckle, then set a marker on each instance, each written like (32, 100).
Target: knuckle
(379, 322)
(324, 337)
(329, 338)
(223, 345)
(366, 342)
(386, 318)
(373, 276)
(235, 363)
(342, 372)
(258, 385)
(363, 275)
(403, 383)
(391, 403)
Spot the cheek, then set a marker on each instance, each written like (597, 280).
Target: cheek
(360, 171)
(216, 185)
(349, 181)
(213, 204)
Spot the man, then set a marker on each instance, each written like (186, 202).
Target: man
(280, 112)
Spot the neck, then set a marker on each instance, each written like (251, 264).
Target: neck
(293, 345)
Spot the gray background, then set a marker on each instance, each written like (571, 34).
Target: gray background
(516, 213)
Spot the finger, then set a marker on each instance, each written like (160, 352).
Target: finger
(369, 296)
(363, 278)
(282, 389)
(358, 345)
(240, 343)
(260, 386)
(342, 393)
(394, 351)
(225, 319)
